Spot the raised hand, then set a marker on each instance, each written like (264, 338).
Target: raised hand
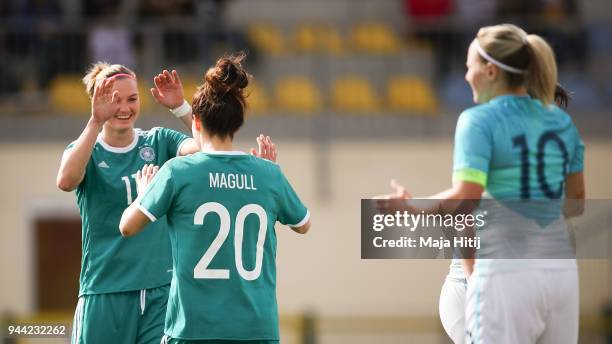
(266, 149)
(168, 90)
(144, 177)
(399, 191)
(394, 201)
(104, 103)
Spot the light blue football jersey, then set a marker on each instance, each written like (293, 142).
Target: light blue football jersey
(518, 149)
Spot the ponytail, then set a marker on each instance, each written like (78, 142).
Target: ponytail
(542, 70)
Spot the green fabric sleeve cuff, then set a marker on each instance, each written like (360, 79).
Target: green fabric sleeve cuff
(471, 175)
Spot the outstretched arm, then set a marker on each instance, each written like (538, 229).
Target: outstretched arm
(74, 161)
(169, 93)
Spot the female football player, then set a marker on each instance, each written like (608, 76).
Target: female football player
(124, 283)
(221, 206)
(515, 145)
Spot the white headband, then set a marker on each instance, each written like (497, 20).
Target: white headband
(495, 62)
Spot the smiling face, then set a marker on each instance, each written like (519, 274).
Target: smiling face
(129, 105)
(479, 75)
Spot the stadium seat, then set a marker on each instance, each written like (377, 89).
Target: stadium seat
(374, 38)
(317, 39)
(146, 98)
(297, 93)
(412, 94)
(68, 95)
(354, 94)
(190, 85)
(257, 99)
(267, 38)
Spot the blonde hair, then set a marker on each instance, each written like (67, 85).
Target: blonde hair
(512, 46)
(100, 71)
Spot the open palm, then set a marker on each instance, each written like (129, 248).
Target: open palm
(104, 101)
(168, 90)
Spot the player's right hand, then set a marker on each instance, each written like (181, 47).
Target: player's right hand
(144, 177)
(392, 202)
(104, 103)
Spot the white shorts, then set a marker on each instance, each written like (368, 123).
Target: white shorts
(452, 308)
(523, 306)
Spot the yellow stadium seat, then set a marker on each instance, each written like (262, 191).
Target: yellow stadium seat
(318, 39)
(411, 93)
(354, 94)
(257, 99)
(267, 38)
(297, 93)
(190, 86)
(146, 98)
(375, 38)
(67, 94)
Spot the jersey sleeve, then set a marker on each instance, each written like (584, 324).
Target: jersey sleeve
(577, 159)
(472, 150)
(292, 211)
(174, 140)
(159, 194)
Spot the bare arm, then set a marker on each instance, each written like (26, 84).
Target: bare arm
(462, 197)
(74, 161)
(169, 93)
(133, 220)
(575, 194)
(303, 229)
(468, 266)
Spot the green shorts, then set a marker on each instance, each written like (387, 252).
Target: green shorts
(132, 317)
(168, 340)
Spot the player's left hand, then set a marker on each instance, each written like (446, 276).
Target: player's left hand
(144, 177)
(266, 149)
(168, 90)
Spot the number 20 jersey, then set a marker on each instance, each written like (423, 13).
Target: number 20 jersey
(221, 209)
(111, 263)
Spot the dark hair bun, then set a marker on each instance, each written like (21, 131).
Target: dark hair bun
(227, 75)
(562, 96)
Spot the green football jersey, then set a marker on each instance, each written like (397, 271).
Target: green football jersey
(221, 209)
(111, 263)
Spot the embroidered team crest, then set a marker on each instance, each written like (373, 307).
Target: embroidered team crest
(147, 154)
